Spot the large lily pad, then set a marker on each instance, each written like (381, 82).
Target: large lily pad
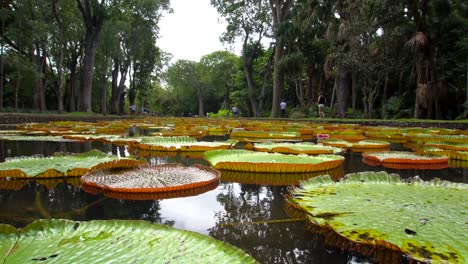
(276, 179)
(404, 157)
(182, 143)
(63, 165)
(370, 211)
(294, 148)
(244, 160)
(155, 178)
(112, 241)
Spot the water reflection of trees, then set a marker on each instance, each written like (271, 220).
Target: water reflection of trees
(248, 223)
(46, 148)
(65, 201)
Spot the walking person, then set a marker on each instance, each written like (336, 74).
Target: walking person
(322, 101)
(235, 111)
(283, 108)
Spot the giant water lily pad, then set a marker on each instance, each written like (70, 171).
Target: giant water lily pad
(276, 179)
(404, 157)
(63, 165)
(294, 148)
(112, 241)
(182, 143)
(244, 160)
(371, 211)
(152, 178)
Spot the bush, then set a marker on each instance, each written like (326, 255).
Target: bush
(222, 113)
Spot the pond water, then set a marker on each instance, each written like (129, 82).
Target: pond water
(249, 216)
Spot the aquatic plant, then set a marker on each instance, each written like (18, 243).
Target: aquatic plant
(151, 178)
(403, 157)
(379, 214)
(265, 134)
(294, 148)
(112, 241)
(276, 179)
(182, 143)
(244, 160)
(63, 165)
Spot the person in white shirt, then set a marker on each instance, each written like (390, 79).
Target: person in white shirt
(283, 108)
(235, 111)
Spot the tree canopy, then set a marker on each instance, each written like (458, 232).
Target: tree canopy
(373, 59)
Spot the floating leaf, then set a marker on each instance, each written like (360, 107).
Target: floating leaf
(460, 146)
(63, 165)
(33, 138)
(338, 143)
(403, 157)
(181, 144)
(277, 179)
(265, 134)
(112, 241)
(370, 212)
(295, 148)
(151, 179)
(244, 160)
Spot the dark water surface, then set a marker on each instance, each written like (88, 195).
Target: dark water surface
(249, 216)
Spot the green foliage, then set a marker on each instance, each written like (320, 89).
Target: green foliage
(65, 241)
(393, 108)
(222, 113)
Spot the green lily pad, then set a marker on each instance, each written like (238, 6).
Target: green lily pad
(63, 164)
(112, 241)
(182, 143)
(404, 157)
(244, 160)
(424, 220)
(296, 148)
(33, 138)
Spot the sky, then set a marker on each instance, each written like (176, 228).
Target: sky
(191, 31)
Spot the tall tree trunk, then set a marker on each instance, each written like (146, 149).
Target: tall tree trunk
(250, 85)
(278, 80)
(93, 18)
(60, 89)
(18, 83)
(104, 87)
(74, 102)
(342, 92)
(122, 92)
(38, 94)
(87, 71)
(354, 90)
(201, 104)
(1, 64)
(115, 97)
(280, 10)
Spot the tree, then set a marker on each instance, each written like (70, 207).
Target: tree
(281, 11)
(182, 79)
(94, 14)
(249, 20)
(217, 70)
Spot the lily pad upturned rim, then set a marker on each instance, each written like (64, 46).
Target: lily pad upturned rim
(145, 196)
(119, 241)
(276, 179)
(174, 166)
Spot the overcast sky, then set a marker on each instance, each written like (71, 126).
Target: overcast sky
(191, 31)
